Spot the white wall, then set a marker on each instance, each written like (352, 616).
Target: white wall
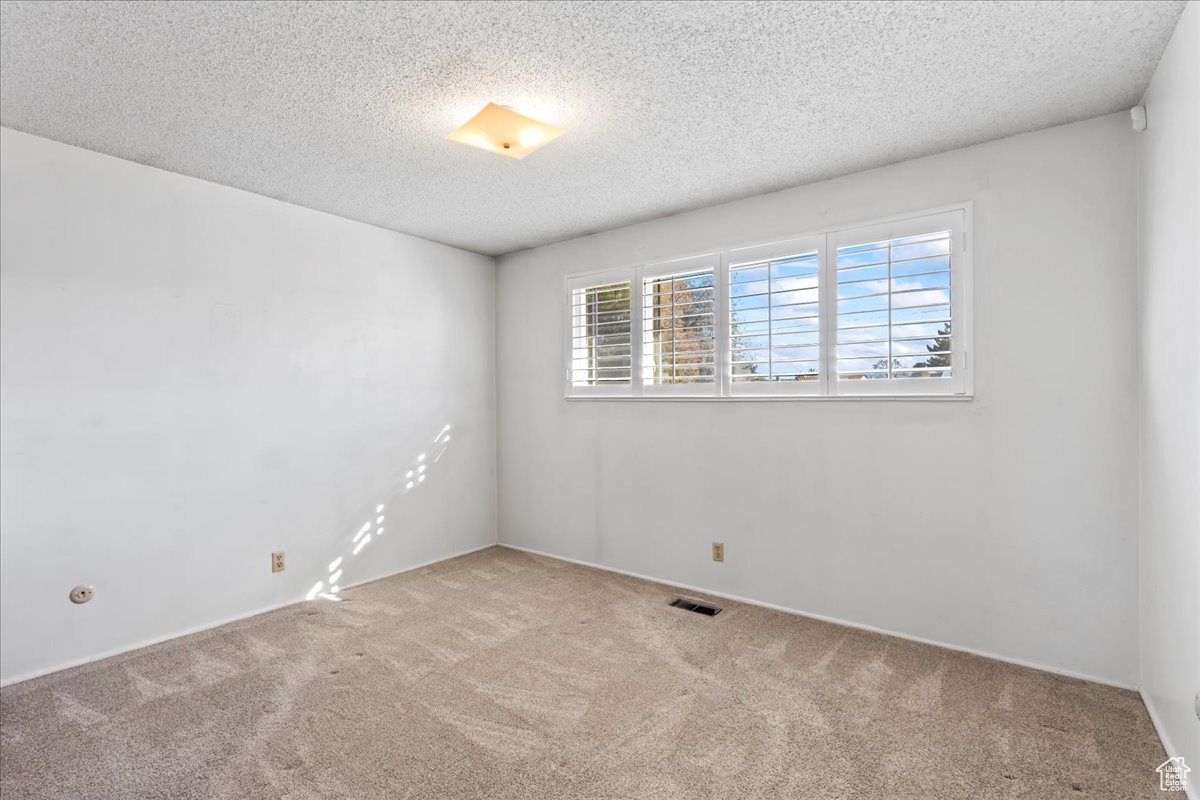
(1170, 392)
(195, 376)
(1006, 524)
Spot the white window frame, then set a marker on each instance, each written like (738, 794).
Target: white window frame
(742, 256)
(956, 384)
(665, 269)
(588, 281)
(956, 218)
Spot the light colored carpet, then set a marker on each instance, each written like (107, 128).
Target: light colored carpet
(504, 675)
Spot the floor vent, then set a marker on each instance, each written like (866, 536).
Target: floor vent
(695, 605)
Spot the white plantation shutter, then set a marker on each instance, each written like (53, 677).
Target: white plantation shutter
(679, 338)
(602, 334)
(898, 302)
(876, 310)
(775, 318)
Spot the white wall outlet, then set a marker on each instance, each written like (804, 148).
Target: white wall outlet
(81, 594)
(277, 561)
(718, 551)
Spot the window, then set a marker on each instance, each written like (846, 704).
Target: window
(602, 335)
(775, 318)
(893, 316)
(875, 310)
(679, 338)
(901, 317)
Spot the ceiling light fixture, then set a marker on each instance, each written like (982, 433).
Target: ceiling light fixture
(503, 131)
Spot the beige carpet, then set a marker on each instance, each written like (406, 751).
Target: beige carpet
(504, 675)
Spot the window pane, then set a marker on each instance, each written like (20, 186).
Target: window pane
(601, 335)
(854, 352)
(929, 280)
(863, 334)
(788, 338)
(774, 320)
(920, 266)
(679, 328)
(893, 317)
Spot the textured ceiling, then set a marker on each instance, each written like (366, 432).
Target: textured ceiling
(668, 106)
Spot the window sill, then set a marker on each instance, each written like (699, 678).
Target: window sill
(770, 398)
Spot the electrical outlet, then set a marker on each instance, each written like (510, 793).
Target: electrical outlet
(718, 551)
(277, 561)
